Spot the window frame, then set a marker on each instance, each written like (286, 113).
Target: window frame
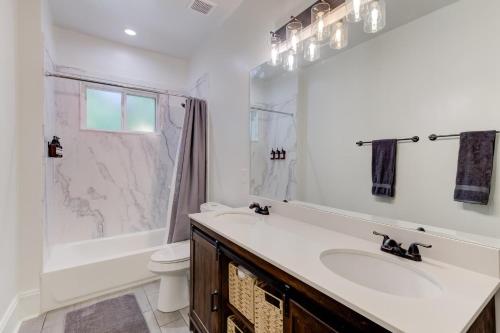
(124, 93)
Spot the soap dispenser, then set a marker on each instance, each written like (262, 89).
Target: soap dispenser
(273, 154)
(55, 149)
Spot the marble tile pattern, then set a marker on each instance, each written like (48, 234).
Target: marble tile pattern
(108, 183)
(274, 179)
(146, 295)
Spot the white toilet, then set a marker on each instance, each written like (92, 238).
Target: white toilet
(172, 264)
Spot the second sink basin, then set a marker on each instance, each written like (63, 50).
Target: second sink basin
(379, 273)
(237, 217)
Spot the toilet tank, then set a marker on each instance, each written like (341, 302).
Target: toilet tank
(213, 207)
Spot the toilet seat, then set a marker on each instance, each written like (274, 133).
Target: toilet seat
(172, 253)
(171, 258)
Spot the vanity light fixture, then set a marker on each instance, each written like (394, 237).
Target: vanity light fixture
(312, 49)
(355, 10)
(293, 34)
(340, 35)
(318, 14)
(374, 16)
(130, 32)
(327, 26)
(290, 61)
(275, 49)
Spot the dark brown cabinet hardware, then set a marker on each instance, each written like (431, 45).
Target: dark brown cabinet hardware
(213, 301)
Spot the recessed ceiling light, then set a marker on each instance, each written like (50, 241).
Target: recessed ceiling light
(130, 32)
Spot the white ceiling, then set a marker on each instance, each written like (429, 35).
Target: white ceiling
(166, 26)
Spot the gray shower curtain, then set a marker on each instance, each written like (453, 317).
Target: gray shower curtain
(190, 185)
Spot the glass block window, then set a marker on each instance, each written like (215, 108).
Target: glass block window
(118, 110)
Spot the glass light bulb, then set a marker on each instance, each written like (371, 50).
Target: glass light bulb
(318, 15)
(355, 10)
(321, 28)
(290, 63)
(375, 16)
(340, 35)
(374, 13)
(295, 42)
(312, 50)
(293, 31)
(275, 59)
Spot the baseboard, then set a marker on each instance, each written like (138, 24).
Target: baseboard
(8, 323)
(25, 305)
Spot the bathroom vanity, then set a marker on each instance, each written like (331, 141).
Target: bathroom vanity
(295, 260)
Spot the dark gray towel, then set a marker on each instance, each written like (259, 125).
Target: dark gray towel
(475, 166)
(384, 167)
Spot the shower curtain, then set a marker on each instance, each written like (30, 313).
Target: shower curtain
(190, 183)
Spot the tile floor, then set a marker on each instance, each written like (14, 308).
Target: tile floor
(146, 295)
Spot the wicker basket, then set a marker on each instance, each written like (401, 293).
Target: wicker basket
(241, 292)
(268, 311)
(232, 327)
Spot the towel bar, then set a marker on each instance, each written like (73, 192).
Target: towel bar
(413, 139)
(434, 137)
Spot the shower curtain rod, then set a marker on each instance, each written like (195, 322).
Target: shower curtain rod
(272, 111)
(112, 84)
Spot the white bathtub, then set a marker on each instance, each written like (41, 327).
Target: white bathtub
(79, 271)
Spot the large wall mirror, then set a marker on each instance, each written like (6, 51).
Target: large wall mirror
(435, 68)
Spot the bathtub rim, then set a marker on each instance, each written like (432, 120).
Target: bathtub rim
(48, 268)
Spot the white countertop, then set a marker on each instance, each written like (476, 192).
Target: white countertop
(295, 247)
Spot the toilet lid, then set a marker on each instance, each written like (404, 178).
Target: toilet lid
(171, 253)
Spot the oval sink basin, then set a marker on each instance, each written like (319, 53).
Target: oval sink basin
(237, 217)
(381, 274)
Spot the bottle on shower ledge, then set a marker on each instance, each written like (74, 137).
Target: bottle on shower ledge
(278, 153)
(273, 154)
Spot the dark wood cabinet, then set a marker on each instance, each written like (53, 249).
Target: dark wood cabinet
(204, 284)
(302, 321)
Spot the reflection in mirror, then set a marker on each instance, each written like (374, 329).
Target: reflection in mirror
(273, 127)
(427, 72)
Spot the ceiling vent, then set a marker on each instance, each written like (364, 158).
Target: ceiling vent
(202, 6)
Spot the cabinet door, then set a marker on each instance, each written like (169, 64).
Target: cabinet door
(204, 283)
(302, 321)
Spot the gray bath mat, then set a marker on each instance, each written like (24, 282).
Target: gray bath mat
(117, 315)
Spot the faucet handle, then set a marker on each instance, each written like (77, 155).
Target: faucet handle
(414, 252)
(416, 245)
(254, 205)
(386, 237)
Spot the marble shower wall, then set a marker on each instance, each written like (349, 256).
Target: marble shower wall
(274, 179)
(108, 184)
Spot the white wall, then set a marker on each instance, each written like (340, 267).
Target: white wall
(8, 176)
(30, 141)
(239, 45)
(112, 60)
(439, 74)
